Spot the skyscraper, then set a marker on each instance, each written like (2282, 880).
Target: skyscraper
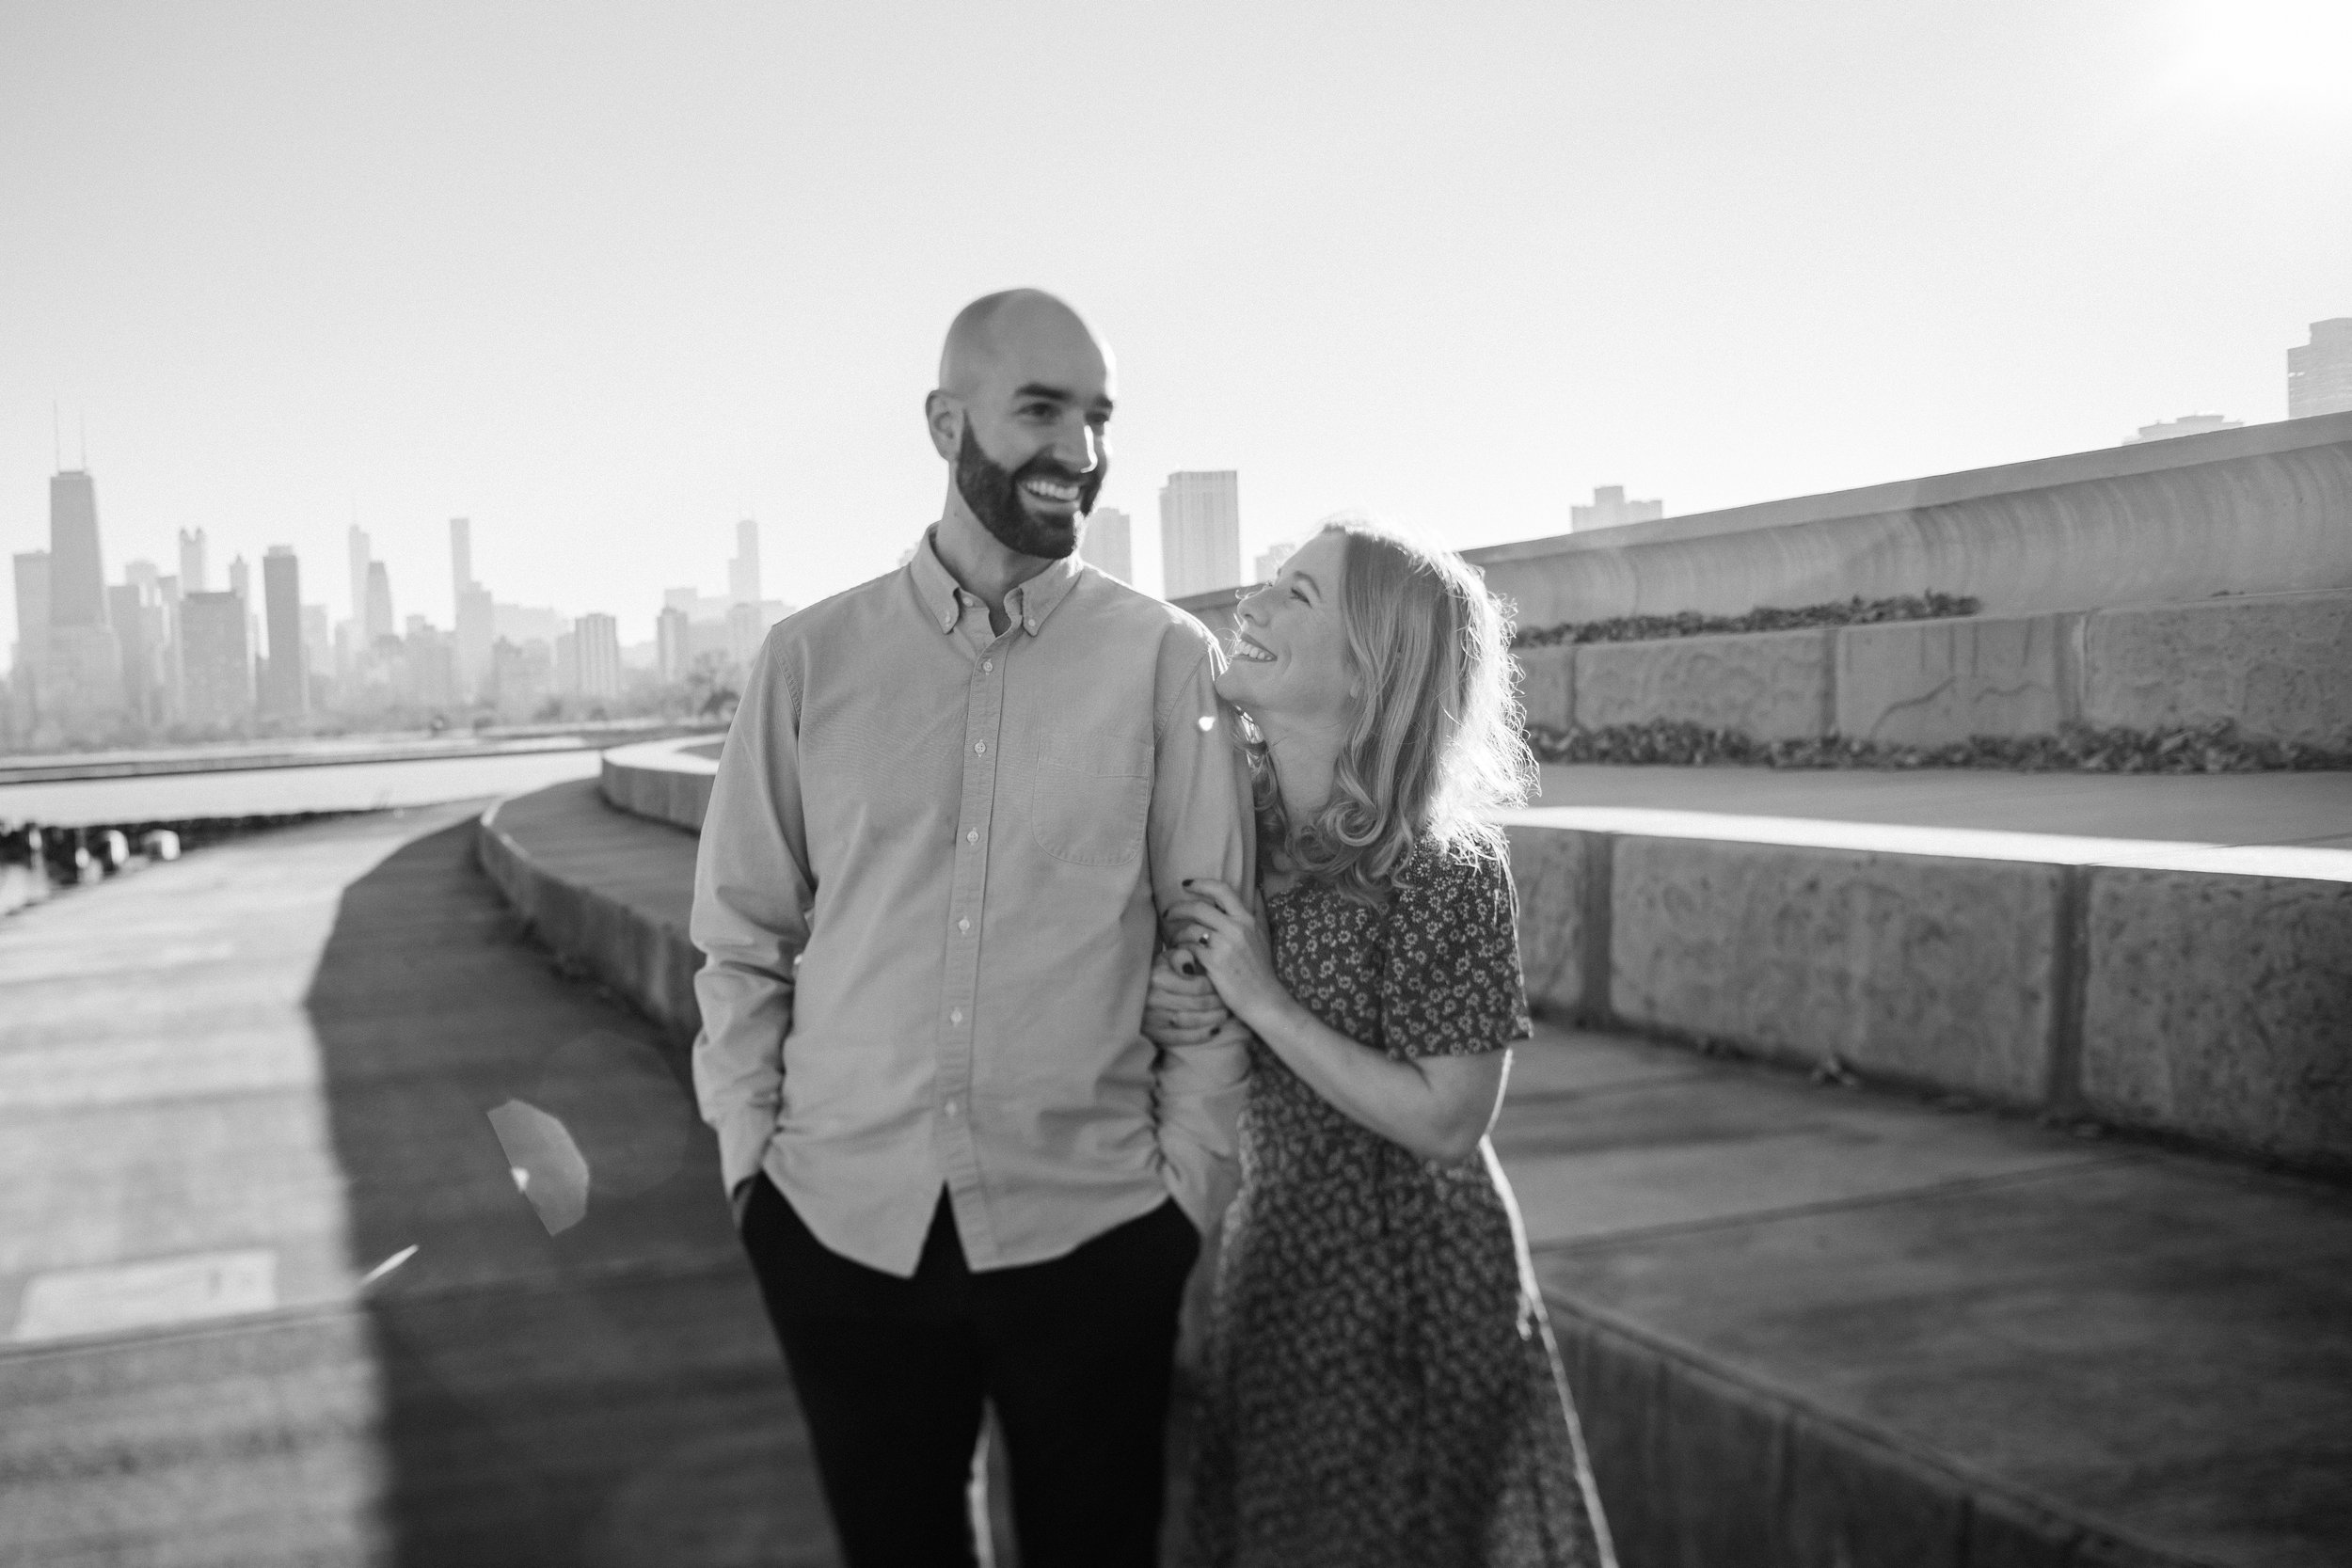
(1610, 509)
(1109, 543)
(241, 584)
(379, 604)
(2187, 424)
(215, 661)
(137, 634)
(285, 687)
(477, 632)
(82, 681)
(318, 640)
(460, 561)
(2319, 373)
(77, 575)
(1200, 532)
(32, 635)
(598, 639)
(746, 630)
(356, 557)
(193, 578)
(743, 571)
(673, 644)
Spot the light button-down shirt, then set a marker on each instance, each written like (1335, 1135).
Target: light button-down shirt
(929, 890)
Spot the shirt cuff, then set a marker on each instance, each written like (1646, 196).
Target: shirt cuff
(743, 1138)
(1201, 1187)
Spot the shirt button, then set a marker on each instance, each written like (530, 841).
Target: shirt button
(1032, 624)
(988, 664)
(951, 1107)
(956, 1017)
(980, 746)
(972, 837)
(964, 925)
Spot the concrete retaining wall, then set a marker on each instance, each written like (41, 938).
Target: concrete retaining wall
(1927, 683)
(2218, 1008)
(2213, 1005)
(1773, 686)
(666, 780)
(2221, 1007)
(2263, 510)
(631, 941)
(2280, 666)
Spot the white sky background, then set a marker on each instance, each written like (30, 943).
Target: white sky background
(606, 278)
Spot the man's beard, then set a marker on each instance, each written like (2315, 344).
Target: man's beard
(994, 494)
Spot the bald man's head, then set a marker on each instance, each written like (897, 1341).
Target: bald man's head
(1020, 413)
(1013, 324)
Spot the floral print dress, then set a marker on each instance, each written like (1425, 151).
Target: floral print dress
(1381, 1384)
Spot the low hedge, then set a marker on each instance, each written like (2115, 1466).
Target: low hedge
(2216, 747)
(1651, 628)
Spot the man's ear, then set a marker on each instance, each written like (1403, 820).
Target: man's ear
(942, 415)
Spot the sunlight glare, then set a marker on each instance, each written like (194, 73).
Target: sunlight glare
(2288, 54)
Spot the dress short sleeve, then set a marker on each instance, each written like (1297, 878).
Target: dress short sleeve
(1452, 986)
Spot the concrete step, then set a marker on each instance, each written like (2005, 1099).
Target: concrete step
(1813, 1324)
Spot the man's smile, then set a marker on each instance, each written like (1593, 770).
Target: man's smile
(1051, 492)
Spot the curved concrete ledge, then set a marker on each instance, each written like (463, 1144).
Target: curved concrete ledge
(610, 892)
(666, 780)
(2187, 990)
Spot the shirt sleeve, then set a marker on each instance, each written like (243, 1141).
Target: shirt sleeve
(1452, 985)
(1201, 826)
(752, 888)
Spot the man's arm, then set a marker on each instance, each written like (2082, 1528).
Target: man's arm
(1201, 826)
(752, 892)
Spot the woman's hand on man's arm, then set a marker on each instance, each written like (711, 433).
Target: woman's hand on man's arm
(1439, 1107)
(1181, 1006)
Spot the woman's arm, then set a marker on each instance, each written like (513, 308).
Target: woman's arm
(1438, 1107)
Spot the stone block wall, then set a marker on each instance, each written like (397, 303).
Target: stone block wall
(2281, 665)
(2221, 1007)
(1914, 968)
(1927, 682)
(2278, 666)
(1774, 686)
(1548, 685)
(2214, 1007)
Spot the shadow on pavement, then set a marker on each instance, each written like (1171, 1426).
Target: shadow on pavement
(574, 1366)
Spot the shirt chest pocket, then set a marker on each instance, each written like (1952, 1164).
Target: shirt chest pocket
(1090, 798)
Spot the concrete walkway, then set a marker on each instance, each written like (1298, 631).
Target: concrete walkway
(2185, 808)
(336, 1228)
(1815, 1325)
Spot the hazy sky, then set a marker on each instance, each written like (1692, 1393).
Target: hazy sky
(604, 278)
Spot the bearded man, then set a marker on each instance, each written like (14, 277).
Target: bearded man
(954, 805)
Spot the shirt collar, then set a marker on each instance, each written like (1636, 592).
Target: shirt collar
(1030, 604)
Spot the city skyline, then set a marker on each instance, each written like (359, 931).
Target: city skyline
(347, 267)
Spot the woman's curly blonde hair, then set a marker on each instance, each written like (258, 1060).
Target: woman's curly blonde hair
(1434, 738)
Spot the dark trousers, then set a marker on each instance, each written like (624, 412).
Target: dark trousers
(1073, 1354)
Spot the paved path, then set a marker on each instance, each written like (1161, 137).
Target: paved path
(1807, 1325)
(233, 1087)
(1961, 1338)
(1814, 1325)
(2189, 808)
